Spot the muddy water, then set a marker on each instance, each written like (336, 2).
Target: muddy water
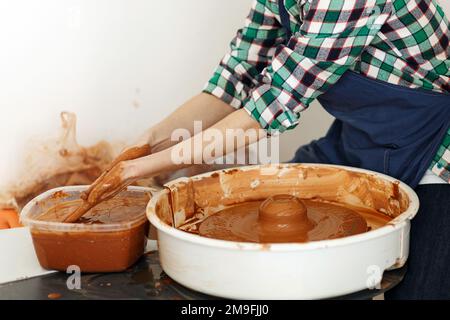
(285, 218)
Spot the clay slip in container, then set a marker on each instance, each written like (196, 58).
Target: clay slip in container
(111, 247)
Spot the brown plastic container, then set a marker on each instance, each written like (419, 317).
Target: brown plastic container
(98, 247)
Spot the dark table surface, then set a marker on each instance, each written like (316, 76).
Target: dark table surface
(145, 280)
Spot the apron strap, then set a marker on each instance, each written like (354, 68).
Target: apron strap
(284, 17)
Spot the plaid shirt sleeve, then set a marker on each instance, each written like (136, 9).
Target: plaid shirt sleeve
(250, 52)
(332, 36)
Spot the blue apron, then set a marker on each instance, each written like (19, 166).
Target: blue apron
(379, 126)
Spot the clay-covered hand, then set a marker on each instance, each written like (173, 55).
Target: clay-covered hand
(9, 219)
(105, 187)
(110, 183)
(130, 153)
(113, 180)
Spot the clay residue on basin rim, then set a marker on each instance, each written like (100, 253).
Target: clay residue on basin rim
(190, 200)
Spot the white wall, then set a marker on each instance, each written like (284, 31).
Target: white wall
(120, 65)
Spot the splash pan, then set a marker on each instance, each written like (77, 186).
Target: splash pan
(312, 270)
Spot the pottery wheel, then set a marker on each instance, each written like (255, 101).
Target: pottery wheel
(243, 223)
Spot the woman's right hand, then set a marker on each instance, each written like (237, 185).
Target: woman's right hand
(137, 151)
(115, 178)
(151, 155)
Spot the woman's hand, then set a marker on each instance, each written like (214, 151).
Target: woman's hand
(9, 219)
(115, 178)
(118, 164)
(110, 183)
(157, 139)
(153, 155)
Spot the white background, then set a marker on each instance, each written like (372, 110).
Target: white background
(120, 65)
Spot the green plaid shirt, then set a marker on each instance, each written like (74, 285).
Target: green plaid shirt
(275, 78)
